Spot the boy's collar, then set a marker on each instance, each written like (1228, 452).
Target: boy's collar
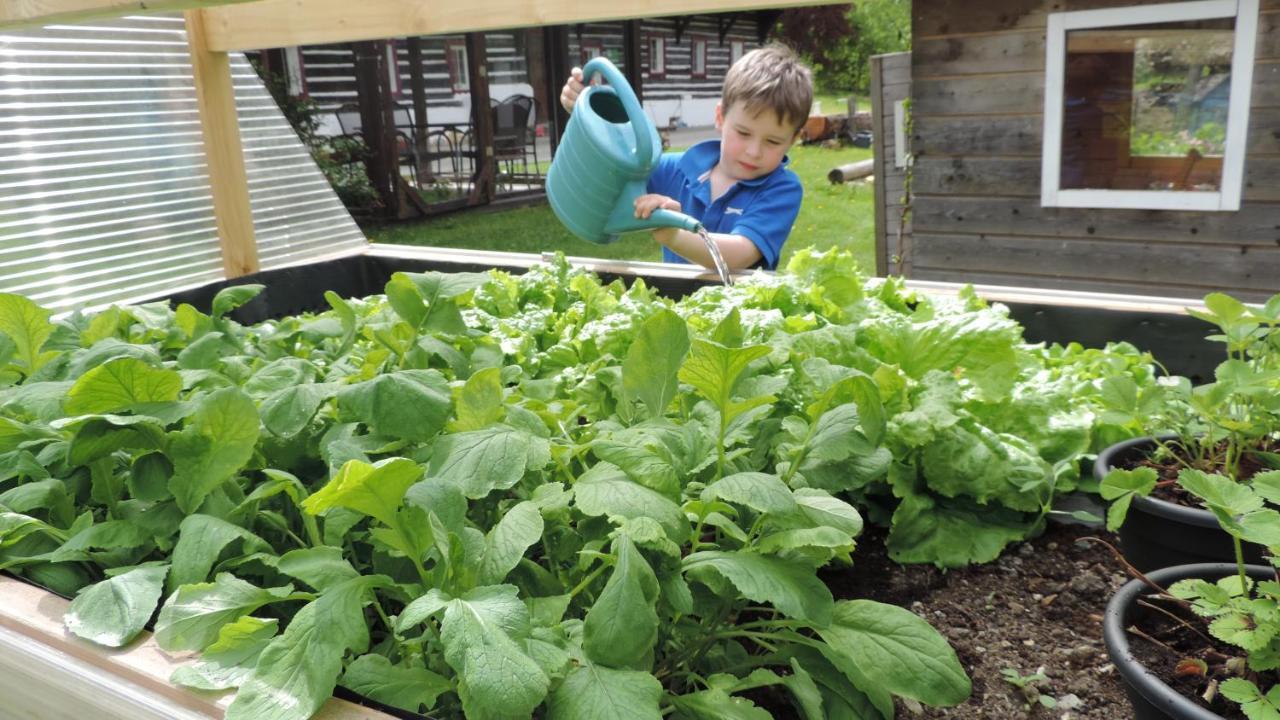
(700, 158)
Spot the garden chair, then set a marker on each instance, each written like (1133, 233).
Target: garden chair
(513, 137)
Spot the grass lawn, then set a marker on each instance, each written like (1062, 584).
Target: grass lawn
(830, 216)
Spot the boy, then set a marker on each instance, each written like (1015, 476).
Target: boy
(738, 186)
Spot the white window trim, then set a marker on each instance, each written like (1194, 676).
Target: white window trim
(657, 56)
(737, 48)
(1227, 198)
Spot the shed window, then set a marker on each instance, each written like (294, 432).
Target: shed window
(737, 49)
(455, 55)
(657, 57)
(1147, 107)
(393, 69)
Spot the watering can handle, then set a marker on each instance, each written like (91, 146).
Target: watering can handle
(635, 113)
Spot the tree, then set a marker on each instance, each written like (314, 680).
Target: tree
(839, 40)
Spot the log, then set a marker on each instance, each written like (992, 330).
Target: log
(852, 171)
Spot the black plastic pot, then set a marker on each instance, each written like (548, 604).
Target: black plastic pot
(1159, 534)
(1150, 697)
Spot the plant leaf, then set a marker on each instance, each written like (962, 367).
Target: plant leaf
(759, 491)
(650, 369)
(896, 650)
(408, 688)
(216, 443)
(795, 590)
(115, 610)
(481, 461)
(497, 678)
(27, 327)
(604, 490)
(621, 628)
(201, 538)
(230, 659)
(408, 404)
(121, 384)
(376, 490)
(506, 543)
(593, 692)
(193, 615)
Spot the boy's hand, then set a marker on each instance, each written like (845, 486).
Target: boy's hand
(646, 204)
(572, 89)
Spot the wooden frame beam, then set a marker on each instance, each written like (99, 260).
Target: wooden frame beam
(283, 23)
(228, 181)
(17, 14)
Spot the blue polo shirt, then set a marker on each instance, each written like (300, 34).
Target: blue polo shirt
(761, 210)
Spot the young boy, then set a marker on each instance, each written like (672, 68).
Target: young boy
(739, 186)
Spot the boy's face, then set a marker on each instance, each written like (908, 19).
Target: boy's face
(752, 146)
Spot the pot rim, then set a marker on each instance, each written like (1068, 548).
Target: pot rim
(1116, 639)
(1152, 505)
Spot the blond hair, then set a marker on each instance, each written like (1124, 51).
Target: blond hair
(773, 78)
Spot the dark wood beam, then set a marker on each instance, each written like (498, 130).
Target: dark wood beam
(377, 123)
(555, 59)
(724, 23)
(765, 20)
(419, 85)
(631, 43)
(481, 120)
(681, 22)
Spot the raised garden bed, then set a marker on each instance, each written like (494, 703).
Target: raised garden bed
(297, 290)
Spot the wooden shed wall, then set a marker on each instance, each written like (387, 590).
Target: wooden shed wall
(977, 103)
(890, 83)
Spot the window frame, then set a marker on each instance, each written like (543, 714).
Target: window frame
(1227, 198)
(657, 56)
(455, 72)
(699, 43)
(737, 48)
(296, 72)
(597, 45)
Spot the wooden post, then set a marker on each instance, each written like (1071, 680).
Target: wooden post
(881, 164)
(373, 89)
(631, 53)
(419, 85)
(228, 181)
(556, 60)
(482, 120)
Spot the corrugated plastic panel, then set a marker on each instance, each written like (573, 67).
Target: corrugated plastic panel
(104, 189)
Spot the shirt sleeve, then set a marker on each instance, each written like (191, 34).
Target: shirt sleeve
(767, 221)
(665, 178)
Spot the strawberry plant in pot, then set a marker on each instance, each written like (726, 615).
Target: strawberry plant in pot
(1230, 426)
(1208, 646)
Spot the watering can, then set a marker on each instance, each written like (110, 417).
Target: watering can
(604, 159)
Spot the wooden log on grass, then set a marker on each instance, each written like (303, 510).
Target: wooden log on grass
(852, 171)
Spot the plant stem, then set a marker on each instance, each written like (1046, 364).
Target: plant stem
(586, 581)
(1132, 570)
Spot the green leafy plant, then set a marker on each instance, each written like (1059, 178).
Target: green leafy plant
(1030, 687)
(1227, 426)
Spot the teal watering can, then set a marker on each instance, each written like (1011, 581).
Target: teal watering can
(604, 158)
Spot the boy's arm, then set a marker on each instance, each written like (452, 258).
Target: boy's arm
(738, 252)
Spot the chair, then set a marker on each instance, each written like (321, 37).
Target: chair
(513, 135)
(406, 152)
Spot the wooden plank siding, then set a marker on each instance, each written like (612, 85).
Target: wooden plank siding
(890, 83)
(977, 102)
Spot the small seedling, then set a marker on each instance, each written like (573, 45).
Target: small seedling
(1029, 686)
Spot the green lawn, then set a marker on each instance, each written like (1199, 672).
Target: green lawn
(831, 216)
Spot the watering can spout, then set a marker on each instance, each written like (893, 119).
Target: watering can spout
(604, 159)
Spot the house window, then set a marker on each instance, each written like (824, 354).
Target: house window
(393, 69)
(1147, 107)
(591, 49)
(736, 50)
(455, 55)
(657, 57)
(698, 61)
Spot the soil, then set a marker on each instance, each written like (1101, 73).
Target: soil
(1039, 605)
(1167, 488)
(1171, 642)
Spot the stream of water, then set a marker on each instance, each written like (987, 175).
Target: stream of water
(721, 268)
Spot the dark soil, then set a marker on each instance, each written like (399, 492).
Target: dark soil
(1039, 605)
(1168, 642)
(1167, 488)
